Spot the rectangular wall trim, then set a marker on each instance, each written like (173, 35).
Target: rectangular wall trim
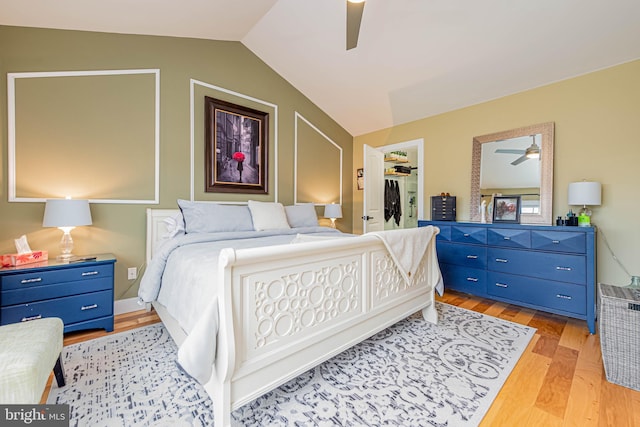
(13, 141)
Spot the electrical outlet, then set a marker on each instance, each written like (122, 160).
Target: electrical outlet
(132, 273)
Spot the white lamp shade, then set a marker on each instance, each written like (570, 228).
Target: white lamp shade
(585, 193)
(66, 213)
(333, 211)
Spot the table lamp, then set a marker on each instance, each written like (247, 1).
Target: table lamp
(333, 211)
(585, 193)
(66, 214)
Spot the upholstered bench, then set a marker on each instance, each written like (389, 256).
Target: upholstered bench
(28, 353)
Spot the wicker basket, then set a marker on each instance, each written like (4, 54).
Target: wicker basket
(619, 314)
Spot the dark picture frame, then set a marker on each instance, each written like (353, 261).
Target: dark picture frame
(506, 209)
(236, 148)
(360, 178)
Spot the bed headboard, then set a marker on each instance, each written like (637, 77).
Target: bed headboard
(156, 228)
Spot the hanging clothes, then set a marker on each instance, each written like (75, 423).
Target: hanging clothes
(397, 208)
(392, 207)
(387, 200)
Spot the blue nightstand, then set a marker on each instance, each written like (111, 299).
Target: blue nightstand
(80, 293)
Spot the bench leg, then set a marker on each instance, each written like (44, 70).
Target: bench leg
(58, 371)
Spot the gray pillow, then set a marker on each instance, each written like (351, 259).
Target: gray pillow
(303, 215)
(209, 217)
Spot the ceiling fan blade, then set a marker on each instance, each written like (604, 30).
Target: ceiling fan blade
(509, 151)
(519, 160)
(354, 17)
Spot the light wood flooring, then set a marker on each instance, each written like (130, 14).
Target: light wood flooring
(559, 380)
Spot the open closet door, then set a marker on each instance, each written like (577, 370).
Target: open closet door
(373, 203)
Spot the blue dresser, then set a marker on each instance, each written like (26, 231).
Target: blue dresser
(547, 268)
(79, 293)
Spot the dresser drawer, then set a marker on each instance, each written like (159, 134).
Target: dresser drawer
(555, 295)
(462, 234)
(71, 309)
(543, 265)
(41, 278)
(559, 241)
(469, 280)
(39, 293)
(445, 233)
(509, 237)
(465, 255)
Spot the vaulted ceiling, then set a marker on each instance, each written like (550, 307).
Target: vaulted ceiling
(414, 59)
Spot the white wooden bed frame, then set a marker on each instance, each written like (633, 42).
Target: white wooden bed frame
(285, 309)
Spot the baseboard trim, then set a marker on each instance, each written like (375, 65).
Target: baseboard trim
(128, 305)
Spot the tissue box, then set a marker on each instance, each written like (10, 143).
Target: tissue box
(14, 260)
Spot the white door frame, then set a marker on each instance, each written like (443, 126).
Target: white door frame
(419, 144)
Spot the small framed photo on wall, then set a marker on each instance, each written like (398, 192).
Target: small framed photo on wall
(360, 178)
(506, 209)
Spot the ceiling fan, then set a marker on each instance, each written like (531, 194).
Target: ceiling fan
(532, 152)
(354, 17)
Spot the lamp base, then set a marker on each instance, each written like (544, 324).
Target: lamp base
(584, 218)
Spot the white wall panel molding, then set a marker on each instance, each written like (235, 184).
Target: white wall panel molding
(192, 87)
(14, 138)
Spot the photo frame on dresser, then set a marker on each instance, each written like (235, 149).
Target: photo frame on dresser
(506, 209)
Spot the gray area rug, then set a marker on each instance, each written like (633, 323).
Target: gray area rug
(411, 374)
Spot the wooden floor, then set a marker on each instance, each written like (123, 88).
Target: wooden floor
(559, 380)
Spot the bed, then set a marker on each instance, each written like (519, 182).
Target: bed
(252, 309)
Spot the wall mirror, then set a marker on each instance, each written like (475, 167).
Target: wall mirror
(514, 162)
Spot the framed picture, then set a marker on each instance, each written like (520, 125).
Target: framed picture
(506, 209)
(360, 178)
(236, 148)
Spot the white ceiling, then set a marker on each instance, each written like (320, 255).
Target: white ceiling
(415, 58)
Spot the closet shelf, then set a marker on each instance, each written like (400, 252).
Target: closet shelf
(395, 160)
(396, 174)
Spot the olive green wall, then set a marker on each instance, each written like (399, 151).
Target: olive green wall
(120, 228)
(597, 137)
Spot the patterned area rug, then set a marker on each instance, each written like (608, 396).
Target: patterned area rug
(413, 373)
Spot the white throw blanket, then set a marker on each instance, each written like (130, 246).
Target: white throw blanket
(408, 246)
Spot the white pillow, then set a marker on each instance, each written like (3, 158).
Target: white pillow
(303, 215)
(175, 225)
(208, 217)
(268, 215)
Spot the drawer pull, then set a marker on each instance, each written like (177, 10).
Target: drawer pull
(472, 256)
(26, 319)
(466, 234)
(502, 260)
(89, 273)
(555, 242)
(472, 279)
(507, 238)
(33, 280)
(563, 296)
(502, 285)
(88, 307)
(563, 268)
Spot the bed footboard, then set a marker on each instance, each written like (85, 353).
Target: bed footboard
(285, 309)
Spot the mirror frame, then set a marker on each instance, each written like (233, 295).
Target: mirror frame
(546, 171)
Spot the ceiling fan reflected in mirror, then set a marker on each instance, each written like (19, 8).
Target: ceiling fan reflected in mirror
(354, 17)
(532, 152)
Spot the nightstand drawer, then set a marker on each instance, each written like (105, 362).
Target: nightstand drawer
(39, 293)
(40, 278)
(71, 309)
